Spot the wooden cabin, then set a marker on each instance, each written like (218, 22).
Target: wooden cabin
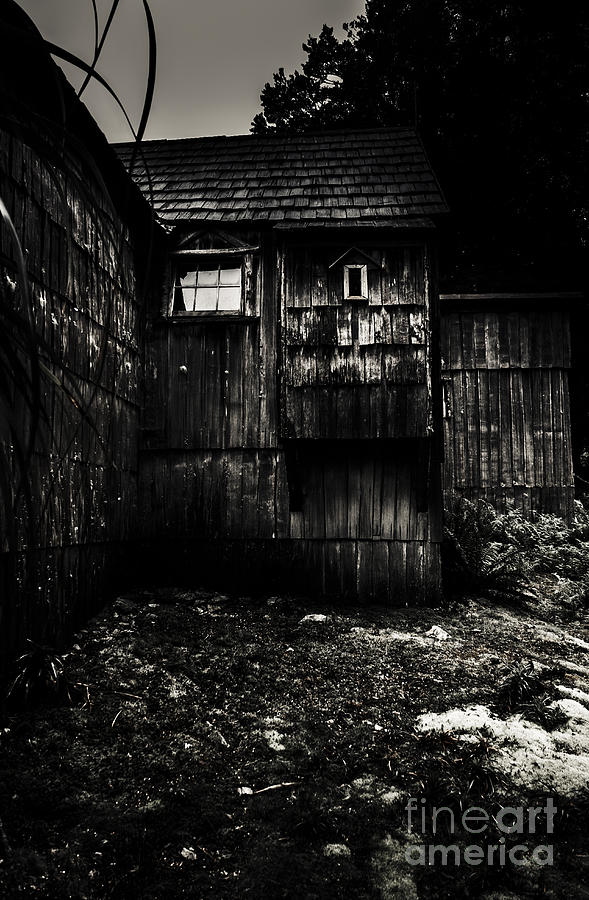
(251, 389)
(292, 426)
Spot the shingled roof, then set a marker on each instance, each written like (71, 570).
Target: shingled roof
(373, 177)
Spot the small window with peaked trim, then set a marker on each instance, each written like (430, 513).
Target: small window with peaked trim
(207, 286)
(355, 282)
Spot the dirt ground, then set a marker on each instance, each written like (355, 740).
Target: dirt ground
(225, 747)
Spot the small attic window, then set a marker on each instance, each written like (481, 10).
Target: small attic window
(355, 282)
(207, 285)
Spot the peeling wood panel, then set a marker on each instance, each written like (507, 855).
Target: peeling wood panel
(396, 275)
(345, 412)
(360, 370)
(354, 322)
(214, 493)
(507, 422)
(402, 279)
(362, 365)
(344, 332)
(366, 490)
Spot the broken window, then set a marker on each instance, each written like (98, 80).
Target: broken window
(207, 286)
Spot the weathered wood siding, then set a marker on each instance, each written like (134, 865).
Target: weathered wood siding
(56, 555)
(507, 430)
(358, 492)
(211, 383)
(392, 572)
(341, 510)
(356, 369)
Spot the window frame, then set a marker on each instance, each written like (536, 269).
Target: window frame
(197, 260)
(364, 281)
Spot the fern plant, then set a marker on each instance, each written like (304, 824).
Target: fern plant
(474, 557)
(492, 553)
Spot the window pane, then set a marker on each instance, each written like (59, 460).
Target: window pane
(206, 298)
(355, 282)
(187, 279)
(208, 277)
(230, 276)
(188, 295)
(229, 297)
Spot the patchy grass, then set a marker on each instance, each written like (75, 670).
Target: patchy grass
(218, 747)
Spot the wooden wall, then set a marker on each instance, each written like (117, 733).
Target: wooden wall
(345, 509)
(355, 369)
(212, 382)
(60, 536)
(507, 429)
(373, 491)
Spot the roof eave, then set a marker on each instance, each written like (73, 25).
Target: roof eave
(398, 223)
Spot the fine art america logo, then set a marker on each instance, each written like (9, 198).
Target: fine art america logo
(509, 822)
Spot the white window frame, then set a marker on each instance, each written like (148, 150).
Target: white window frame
(364, 281)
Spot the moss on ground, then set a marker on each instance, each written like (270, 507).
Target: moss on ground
(218, 747)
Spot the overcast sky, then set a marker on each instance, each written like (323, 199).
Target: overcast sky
(214, 56)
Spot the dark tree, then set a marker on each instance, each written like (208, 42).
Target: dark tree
(500, 94)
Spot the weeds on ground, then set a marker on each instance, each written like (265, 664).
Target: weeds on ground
(518, 686)
(460, 778)
(465, 801)
(38, 677)
(522, 689)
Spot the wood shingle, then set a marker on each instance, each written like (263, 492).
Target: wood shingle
(360, 176)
